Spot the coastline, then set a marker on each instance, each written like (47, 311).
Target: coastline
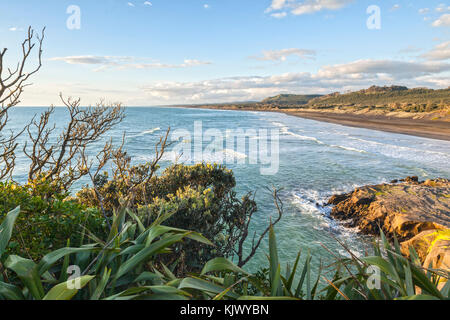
(425, 128)
(439, 130)
(416, 213)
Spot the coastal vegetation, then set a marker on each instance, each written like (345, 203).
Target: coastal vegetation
(136, 233)
(290, 99)
(393, 98)
(126, 265)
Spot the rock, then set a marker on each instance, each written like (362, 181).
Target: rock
(432, 247)
(412, 179)
(337, 198)
(410, 210)
(394, 181)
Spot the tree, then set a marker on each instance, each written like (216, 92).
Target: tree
(12, 84)
(65, 161)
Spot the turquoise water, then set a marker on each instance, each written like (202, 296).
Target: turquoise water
(316, 159)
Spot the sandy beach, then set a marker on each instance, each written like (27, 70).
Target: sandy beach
(433, 129)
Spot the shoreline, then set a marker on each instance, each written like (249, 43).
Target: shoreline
(431, 129)
(416, 213)
(438, 130)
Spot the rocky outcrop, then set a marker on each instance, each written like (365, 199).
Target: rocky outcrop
(417, 213)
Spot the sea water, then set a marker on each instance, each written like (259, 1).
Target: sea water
(316, 160)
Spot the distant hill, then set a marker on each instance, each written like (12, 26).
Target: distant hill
(385, 99)
(394, 97)
(283, 99)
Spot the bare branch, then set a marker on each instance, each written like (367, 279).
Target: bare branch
(65, 160)
(12, 84)
(242, 261)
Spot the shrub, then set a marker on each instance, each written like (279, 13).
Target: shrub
(126, 264)
(200, 197)
(400, 278)
(119, 265)
(45, 223)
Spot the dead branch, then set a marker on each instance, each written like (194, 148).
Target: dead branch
(137, 178)
(64, 160)
(12, 84)
(243, 235)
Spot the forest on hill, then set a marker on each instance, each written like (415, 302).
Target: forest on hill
(394, 98)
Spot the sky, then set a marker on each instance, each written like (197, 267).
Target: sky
(165, 52)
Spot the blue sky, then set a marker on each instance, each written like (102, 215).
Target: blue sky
(188, 51)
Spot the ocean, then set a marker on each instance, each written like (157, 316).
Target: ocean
(310, 161)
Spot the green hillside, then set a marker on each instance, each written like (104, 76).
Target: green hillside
(393, 98)
(290, 99)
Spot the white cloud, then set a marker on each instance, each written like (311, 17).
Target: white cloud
(105, 62)
(395, 7)
(439, 52)
(350, 76)
(443, 8)
(130, 4)
(206, 6)
(279, 15)
(277, 5)
(424, 10)
(109, 60)
(443, 21)
(148, 3)
(306, 6)
(282, 55)
(396, 69)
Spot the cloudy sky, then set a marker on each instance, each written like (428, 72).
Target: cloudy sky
(163, 52)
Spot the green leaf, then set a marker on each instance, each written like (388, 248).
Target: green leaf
(302, 277)
(293, 272)
(10, 292)
(221, 264)
(27, 272)
(101, 285)
(147, 253)
(276, 283)
(138, 221)
(409, 281)
(275, 277)
(158, 230)
(50, 259)
(424, 283)
(168, 273)
(205, 286)
(308, 281)
(6, 229)
(63, 291)
(385, 266)
(147, 276)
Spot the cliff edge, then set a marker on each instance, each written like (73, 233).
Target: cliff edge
(417, 213)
